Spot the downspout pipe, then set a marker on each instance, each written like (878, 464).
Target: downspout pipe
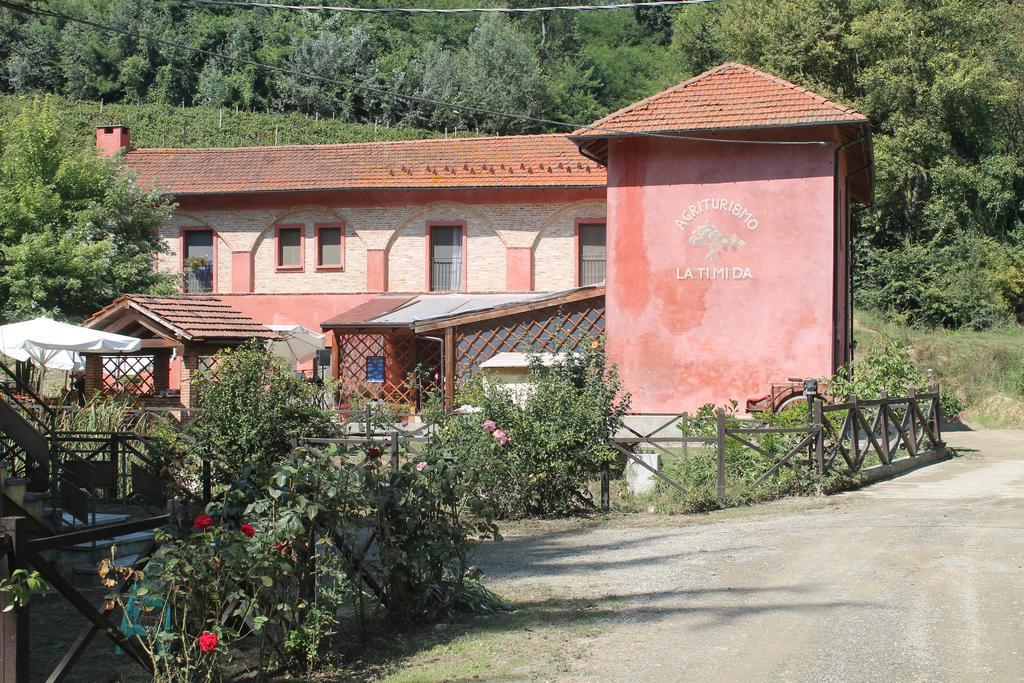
(836, 222)
(849, 258)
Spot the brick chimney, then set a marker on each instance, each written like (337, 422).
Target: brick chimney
(112, 139)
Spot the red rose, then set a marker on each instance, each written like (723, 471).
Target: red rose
(207, 641)
(248, 530)
(203, 522)
(373, 452)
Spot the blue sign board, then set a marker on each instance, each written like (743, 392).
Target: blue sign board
(375, 368)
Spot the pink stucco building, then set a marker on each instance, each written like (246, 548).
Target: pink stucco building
(729, 235)
(717, 213)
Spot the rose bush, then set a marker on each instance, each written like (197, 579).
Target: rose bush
(535, 455)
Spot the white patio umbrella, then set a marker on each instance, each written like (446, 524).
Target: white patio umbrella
(55, 345)
(298, 344)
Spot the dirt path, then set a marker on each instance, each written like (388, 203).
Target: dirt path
(919, 578)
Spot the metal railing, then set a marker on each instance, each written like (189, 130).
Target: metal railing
(445, 274)
(199, 280)
(592, 270)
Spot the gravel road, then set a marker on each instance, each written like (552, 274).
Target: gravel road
(916, 579)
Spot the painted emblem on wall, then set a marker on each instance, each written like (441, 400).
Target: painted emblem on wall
(714, 239)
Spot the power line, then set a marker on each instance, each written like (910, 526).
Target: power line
(32, 11)
(453, 10)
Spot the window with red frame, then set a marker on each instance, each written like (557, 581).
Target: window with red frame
(592, 253)
(330, 247)
(445, 258)
(289, 247)
(197, 260)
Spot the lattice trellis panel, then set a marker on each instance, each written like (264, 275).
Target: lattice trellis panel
(547, 330)
(131, 375)
(209, 366)
(402, 351)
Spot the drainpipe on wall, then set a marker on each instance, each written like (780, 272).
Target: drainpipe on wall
(849, 258)
(837, 208)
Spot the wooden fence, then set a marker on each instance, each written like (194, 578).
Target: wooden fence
(838, 438)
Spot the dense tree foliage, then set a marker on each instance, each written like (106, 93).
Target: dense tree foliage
(942, 81)
(75, 230)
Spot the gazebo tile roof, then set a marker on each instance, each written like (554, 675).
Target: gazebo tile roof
(195, 317)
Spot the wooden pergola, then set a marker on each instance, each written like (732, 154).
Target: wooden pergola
(378, 344)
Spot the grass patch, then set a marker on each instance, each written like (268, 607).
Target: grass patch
(986, 369)
(542, 637)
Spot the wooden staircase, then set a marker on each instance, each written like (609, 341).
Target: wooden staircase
(64, 481)
(19, 500)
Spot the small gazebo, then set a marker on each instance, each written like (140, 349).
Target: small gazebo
(186, 327)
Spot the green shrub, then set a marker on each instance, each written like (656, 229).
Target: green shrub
(968, 283)
(250, 408)
(886, 366)
(696, 468)
(307, 563)
(534, 454)
(101, 413)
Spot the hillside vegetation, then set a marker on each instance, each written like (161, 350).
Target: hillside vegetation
(162, 125)
(986, 369)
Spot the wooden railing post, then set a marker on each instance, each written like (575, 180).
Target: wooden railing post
(936, 413)
(854, 431)
(14, 623)
(121, 470)
(720, 447)
(884, 407)
(54, 473)
(912, 421)
(817, 421)
(394, 450)
(606, 488)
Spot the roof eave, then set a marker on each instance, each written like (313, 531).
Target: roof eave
(598, 135)
(367, 325)
(405, 188)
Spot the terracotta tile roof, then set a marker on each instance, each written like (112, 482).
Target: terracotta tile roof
(187, 317)
(728, 96)
(482, 162)
(365, 312)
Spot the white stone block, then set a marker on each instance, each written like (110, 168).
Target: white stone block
(639, 479)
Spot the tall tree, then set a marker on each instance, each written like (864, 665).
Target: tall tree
(76, 230)
(500, 71)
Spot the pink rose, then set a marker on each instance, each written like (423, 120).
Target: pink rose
(500, 436)
(490, 426)
(420, 466)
